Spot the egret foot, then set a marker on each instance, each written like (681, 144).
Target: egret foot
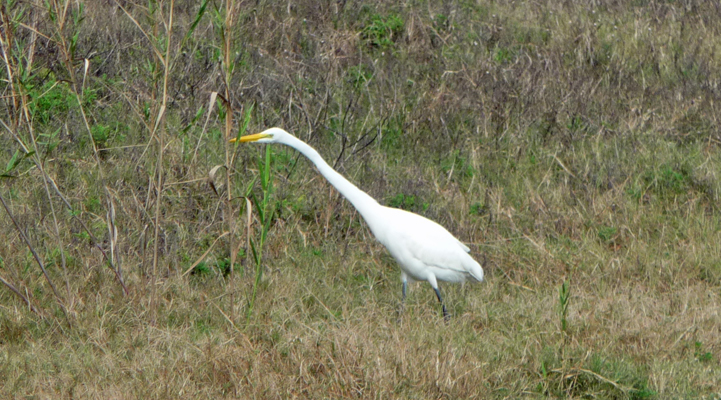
(446, 316)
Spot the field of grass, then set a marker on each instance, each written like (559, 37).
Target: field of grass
(575, 147)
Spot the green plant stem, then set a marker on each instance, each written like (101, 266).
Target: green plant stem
(265, 217)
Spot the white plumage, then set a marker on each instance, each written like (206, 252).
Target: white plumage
(425, 250)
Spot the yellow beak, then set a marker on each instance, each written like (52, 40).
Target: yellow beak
(249, 138)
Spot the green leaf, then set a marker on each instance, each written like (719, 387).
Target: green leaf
(198, 17)
(266, 226)
(258, 208)
(256, 255)
(246, 120)
(15, 161)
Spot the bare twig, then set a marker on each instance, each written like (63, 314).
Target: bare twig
(34, 253)
(227, 50)
(19, 293)
(159, 128)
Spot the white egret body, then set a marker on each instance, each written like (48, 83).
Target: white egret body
(425, 250)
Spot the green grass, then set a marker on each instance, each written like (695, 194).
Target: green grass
(575, 149)
(381, 31)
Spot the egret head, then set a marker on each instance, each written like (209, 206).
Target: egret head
(272, 135)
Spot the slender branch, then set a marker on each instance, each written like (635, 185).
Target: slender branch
(22, 296)
(230, 6)
(35, 254)
(160, 127)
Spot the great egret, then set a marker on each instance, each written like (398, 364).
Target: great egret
(425, 250)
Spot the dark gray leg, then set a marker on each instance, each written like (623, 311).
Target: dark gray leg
(446, 317)
(404, 279)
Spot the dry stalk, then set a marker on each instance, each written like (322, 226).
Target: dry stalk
(227, 50)
(160, 129)
(40, 166)
(6, 41)
(211, 104)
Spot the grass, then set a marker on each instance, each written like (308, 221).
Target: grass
(574, 148)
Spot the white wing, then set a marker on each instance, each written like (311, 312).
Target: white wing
(421, 246)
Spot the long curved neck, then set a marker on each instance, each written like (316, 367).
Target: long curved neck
(364, 203)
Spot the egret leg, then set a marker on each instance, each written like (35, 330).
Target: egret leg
(404, 278)
(446, 317)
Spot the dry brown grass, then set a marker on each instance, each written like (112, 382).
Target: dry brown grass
(566, 143)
